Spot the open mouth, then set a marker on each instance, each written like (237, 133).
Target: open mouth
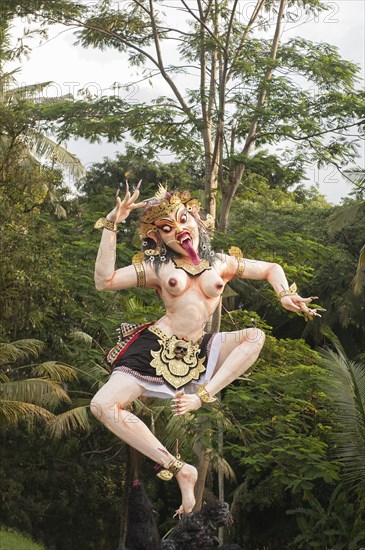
(186, 242)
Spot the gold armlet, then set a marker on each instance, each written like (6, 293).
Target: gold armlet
(103, 223)
(204, 395)
(291, 290)
(138, 266)
(237, 253)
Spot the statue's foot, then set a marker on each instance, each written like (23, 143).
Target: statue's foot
(186, 479)
(185, 402)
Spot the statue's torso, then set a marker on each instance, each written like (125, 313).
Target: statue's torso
(189, 300)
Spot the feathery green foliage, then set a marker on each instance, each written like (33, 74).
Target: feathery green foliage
(347, 388)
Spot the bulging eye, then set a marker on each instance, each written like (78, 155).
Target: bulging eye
(183, 218)
(166, 229)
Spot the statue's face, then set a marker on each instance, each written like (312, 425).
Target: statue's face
(180, 233)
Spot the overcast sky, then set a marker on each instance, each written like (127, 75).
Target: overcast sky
(72, 68)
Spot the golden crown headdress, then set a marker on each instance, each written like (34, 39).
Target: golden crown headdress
(166, 206)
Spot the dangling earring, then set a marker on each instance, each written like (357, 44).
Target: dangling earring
(153, 252)
(161, 248)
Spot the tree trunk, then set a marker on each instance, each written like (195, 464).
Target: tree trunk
(133, 462)
(227, 198)
(204, 459)
(220, 478)
(126, 484)
(236, 175)
(211, 181)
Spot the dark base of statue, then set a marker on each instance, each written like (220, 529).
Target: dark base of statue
(195, 531)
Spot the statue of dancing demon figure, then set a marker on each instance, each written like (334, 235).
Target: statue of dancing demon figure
(173, 357)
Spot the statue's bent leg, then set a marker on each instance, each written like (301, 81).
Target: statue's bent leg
(108, 405)
(238, 352)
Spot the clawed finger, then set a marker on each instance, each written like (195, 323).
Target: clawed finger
(314, 313)
(137, 205)
(127, 194)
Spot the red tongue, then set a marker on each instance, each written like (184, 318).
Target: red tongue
(187, 245)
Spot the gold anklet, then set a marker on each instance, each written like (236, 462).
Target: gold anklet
(172, 469)
(204, 395)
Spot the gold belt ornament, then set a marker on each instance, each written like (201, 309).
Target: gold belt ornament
(177, 361)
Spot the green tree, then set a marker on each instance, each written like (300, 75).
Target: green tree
(245, 91)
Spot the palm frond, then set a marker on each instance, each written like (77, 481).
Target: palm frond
(93, 373)
(70, 421)
(28, 91)
(328, 333)
(358, 282)
(44, 147)
(220, 464)
(13, 412)
(81, 337)
(7, 78)
(60, 212)
(345, 216)
(347, 388)
(356, 175)
(38, 391)
(56, 371)
(19, 350)
(175, 430)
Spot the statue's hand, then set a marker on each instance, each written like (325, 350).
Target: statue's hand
(124, 207)
(298, 304)
(185, 402)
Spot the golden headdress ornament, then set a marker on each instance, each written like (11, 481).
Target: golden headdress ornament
(163, 205)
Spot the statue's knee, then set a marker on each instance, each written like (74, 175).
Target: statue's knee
(96, 408)
(255, 336)
(106, 411)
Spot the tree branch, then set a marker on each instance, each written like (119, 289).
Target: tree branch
(202, 23)
(161, 66)
(252, 20)
(267, 77)
(309, 136)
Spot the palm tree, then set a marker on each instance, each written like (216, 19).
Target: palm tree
(23, 101)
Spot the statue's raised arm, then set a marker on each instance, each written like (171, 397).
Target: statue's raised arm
(106, 276)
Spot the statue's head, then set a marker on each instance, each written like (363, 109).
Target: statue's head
(171, 226)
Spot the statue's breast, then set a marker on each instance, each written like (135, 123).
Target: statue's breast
(211, 283)
(175, 282)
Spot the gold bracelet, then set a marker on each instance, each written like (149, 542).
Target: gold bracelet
(237, 253)
(106, 224)
(240, 268)
(291, 290)
(204, 395)
(139, 267)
